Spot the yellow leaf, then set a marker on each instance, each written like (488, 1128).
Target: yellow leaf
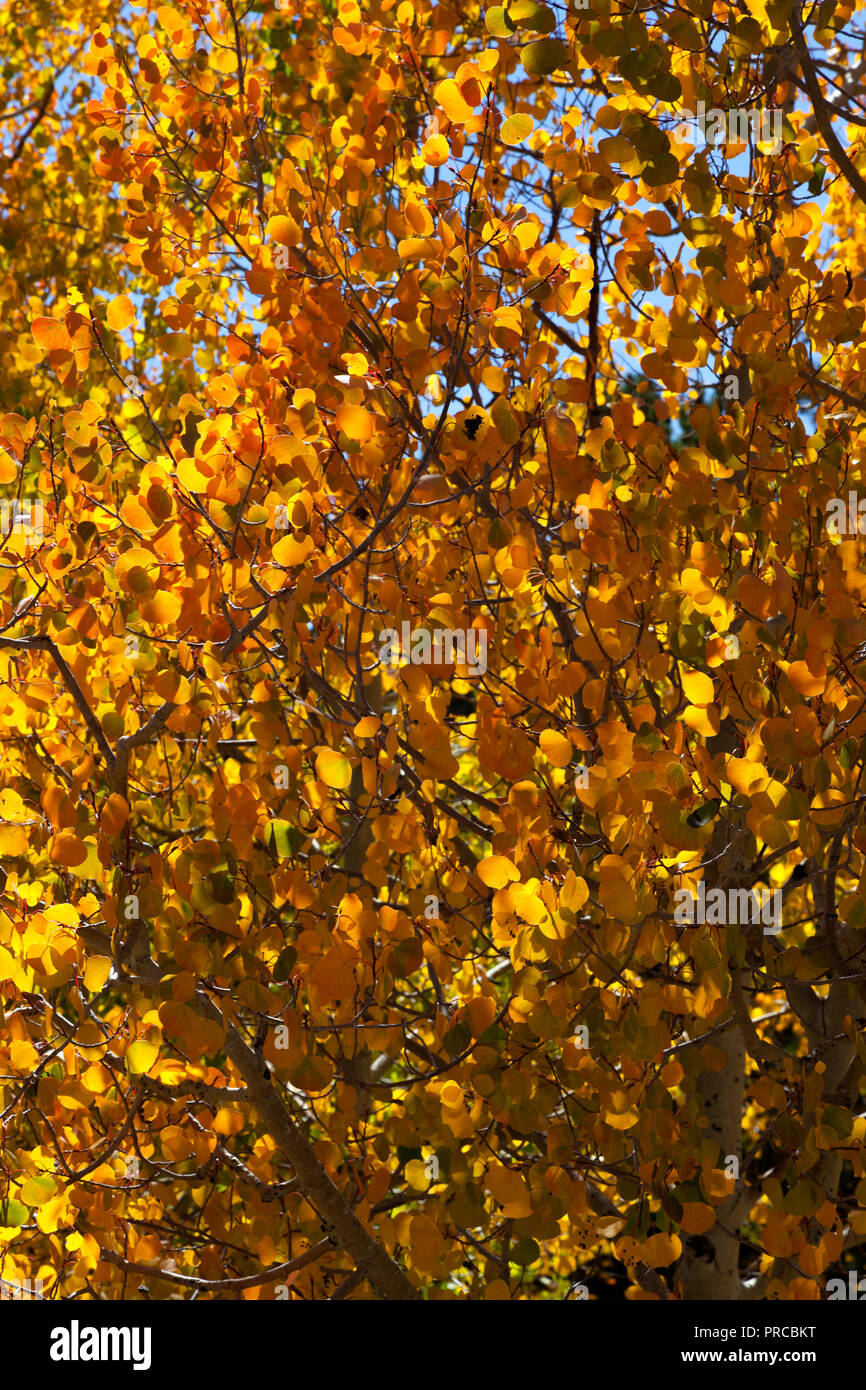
(141, 1056)
(177, 345)
(745, 776)
(290, 551)
(450, 98)
(661, 1250)
(435, 151)
(132, 568)
(11, 805)
(695, 716)
(497, 1292)
(516, 129)
(148, 1249)
(222, 391)
(53, 1214)
(496, 871)
(451, 1094)
(120, 313)
(697, 1218)
(618, 899)
(191, 476)
(96, 972)
(267, 1251)
(135, 516)
(426, 1242)
(333, 769)
(65, 914)
(36, 1191)
(169, 19)
(625, 1120)
(528, 905)
(89, 866)
(176, 1143)
(415, 248)
(510, 1191)
(574, 892)
(698, 688)
(227, 1121)
(13, 841)
(89, 1247)
(416, 1175)
(556, 748)
(96, 1079)
(22, 1055)
(693, 583)
(164, 608)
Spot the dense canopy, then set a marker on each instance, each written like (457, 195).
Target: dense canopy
(431, 598)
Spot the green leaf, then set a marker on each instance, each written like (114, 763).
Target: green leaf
(457, 1039)
(36, 1191)
(702, 815)
(672, 1206)
(525, 1252)
(705, 951)
(816, 182)
(663, 168)
(405, 957)
(498, 23)
(804, 1199)
(838, 1118)
(544, 56)
(648, 140)
(665, 87)
(13, 1213)
(494, 1036)
(516, 128)
(285, 964)
(823, 776)
(221, 887)
(284, 838)
(611, 43)
(530, 15)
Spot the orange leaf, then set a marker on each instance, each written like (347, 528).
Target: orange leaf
(114, 814)
(283, 230)
(661, 1250)
(66, 848)
(556, 748)
(450, 98)
(804, 681)
(51, 334)
(435, 151)
(356, 422)
(120, 313)
(697, 1218)
(496, 871)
